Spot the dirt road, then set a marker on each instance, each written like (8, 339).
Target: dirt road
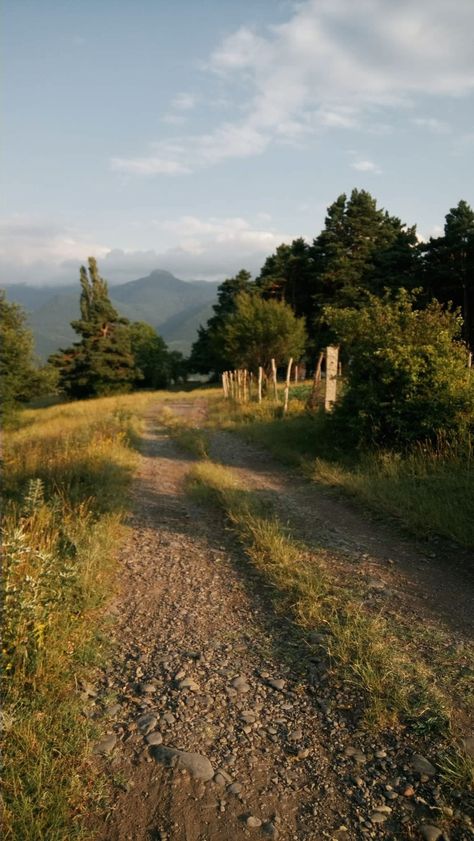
(217, 729)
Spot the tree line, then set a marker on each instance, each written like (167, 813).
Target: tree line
(362, 251)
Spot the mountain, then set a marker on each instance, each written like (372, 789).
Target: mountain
(174, 307)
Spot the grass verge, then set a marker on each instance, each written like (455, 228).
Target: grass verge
(429, 490)
(361, 648)
(395, 688)
(67, 470)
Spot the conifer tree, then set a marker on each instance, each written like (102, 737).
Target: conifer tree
(362, 249)
(102, 361)
(449, 265)
(208, 351)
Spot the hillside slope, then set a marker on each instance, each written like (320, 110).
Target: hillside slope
(174, 307)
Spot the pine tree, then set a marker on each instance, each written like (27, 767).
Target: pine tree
(449, 265)
(208, 351)
(102, 361)
(362, 249)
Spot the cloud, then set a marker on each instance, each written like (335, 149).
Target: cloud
(432, 124)
(41, 253)
(184, 102)
(149, 166)
(328, 67)
(366, 166)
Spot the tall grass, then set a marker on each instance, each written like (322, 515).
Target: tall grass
(66, 474)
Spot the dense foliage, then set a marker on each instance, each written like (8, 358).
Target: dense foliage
(259, 331)
(361, 250)
(20, 377)
(102, 361)
(407, 378)
(112, 355)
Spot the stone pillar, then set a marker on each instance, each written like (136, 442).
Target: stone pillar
(332, 358)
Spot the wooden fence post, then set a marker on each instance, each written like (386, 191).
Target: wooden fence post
(287, 385)
(332, 356)
(224, 384)
(260, 378)
(274, 377)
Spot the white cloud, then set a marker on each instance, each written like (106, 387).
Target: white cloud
(366, 166)
(149, 166)
(432, 124)
(39, 252)
(332, 65)
(28, 240)
(184, 102)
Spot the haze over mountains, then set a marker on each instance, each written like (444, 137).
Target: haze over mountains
(174, 307)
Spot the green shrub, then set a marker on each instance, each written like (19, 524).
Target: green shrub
(407, 378)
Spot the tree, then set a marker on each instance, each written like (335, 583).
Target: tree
(288, 275)
(361, 249)
(151, 356)
(102, 361)
(449, 265)
(208, 351)
(20, 377)
(407, 377)
(260, 330)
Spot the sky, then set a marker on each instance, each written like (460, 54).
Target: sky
(197, 135)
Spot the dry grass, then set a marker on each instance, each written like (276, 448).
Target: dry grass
(67, 470)
(362, 649)
(429, 490)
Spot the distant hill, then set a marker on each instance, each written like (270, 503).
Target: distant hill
(174, 307)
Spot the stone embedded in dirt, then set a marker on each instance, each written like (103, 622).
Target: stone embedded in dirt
(295, 735)
(219, 779)
(430, 832)
(248, 716)
(197, 764)
(180, 675)
(240, 685)
(189, 683)
(270, 829)
(253, 822)
(303, 753)
(146, 723)
(113, 710)
(378, 817)
(235, 788)
(88, 689)
(154, 738)
(147, 688)
(106, 746)
(422, 765)
(409, 791)
(277, 683)
(169, 718)
(468, 745)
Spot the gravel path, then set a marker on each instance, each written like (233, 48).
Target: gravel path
(214, 731)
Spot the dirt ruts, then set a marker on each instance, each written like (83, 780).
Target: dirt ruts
(204, 666)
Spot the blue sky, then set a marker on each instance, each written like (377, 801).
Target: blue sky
(197, 136)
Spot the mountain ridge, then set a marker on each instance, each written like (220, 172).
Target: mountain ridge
(174, 307)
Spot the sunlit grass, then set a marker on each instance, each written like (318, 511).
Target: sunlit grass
(430, 490)
(66, 475)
